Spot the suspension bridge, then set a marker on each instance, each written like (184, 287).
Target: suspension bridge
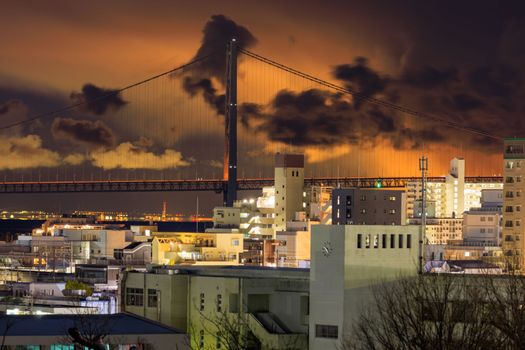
(164, 134)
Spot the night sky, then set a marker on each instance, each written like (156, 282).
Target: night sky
(461, 61)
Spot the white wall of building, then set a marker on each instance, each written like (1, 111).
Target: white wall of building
(342, 272)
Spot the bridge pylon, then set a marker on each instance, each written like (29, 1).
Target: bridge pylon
(230, 124)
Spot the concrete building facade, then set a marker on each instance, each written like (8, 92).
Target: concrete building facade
(346, 261)
(358, 206)
(289, 188)
(513, 201)
(270, 303)
(440, 231)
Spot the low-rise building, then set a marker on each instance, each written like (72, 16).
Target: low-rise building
(271, 304)
(71, 331)
(171, 248)
(483, 226)
(100, 277)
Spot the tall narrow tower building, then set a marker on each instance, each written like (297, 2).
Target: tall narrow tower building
(513, 202)
(289, 186)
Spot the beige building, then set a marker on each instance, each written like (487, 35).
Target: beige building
(319, 203)
(289, 188)
(171, 248)
(248, 216)
(346, 261)
(294, 243)
(441, 230)
(513, 215)
(483, 226)
(271, 304)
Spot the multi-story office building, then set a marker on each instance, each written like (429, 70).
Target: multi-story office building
(270, 304)
(346, 261)
(513, 189)
(289, 188)
(360, 206)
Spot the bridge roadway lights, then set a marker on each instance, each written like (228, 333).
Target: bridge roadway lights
(206, 185)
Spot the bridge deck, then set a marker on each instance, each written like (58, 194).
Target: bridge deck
(204, 185)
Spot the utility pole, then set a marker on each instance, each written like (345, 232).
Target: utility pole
(230, 147)
(423, 166)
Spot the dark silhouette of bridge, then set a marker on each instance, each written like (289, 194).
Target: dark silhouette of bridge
(210, 185)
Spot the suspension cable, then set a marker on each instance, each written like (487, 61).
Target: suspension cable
(369, 99)
(106, 95)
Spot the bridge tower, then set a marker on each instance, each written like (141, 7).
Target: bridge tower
(230, 123)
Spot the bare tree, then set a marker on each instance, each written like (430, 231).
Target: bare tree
(90, 332)
(10, 321)
(506, 302)
(231, 331)
(426, 312)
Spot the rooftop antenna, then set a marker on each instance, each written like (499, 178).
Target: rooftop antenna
(423, 166)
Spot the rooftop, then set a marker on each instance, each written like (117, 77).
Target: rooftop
(235, 271)
(57, 325)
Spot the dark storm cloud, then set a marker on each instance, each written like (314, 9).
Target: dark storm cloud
(360, 78)
(98, 100)
(200, 78)
(465, 102)
(480, 98)
(217, 32)
(94, 134)
(9, 106)
(320, 118)
(428, 77)
(34, 100)
(494, 81)
(194, 86)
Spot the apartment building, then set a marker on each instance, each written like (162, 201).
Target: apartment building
(451, 197)
(359, 206)
(513, 201)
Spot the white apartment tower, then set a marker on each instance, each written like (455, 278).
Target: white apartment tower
(513, 201)
(289, 187)
(455, 187)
